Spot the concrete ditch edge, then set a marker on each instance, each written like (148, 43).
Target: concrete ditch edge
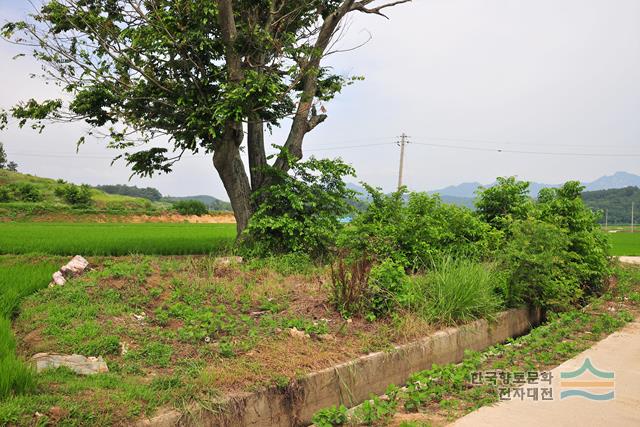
(352, 382)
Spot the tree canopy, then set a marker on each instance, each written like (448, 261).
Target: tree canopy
(179, 76)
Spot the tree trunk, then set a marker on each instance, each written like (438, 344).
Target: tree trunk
(256, 152)
(228, 163)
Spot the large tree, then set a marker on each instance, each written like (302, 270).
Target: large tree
(176, 76)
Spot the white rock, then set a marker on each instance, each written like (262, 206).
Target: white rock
(75, 267)
(79, 364)
(58, 279)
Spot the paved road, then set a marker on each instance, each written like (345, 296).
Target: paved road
(629, 259)
(619, 353)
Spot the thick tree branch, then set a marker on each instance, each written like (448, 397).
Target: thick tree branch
(227, 24)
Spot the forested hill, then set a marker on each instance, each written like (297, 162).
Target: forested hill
(128, 190)
(211, 202)
(616, 201)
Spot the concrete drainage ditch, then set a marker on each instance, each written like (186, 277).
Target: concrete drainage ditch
(352, 382)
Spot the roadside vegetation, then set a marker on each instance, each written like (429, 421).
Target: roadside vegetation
(438, 396)
(175, 329)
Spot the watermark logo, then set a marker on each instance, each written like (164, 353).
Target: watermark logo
(587, 382)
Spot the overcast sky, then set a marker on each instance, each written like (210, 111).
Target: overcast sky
(534, 76)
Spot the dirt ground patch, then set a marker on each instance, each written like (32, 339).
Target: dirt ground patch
(188, 327)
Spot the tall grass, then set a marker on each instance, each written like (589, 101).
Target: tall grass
(456, 290)
(17, 280)
(115, 239)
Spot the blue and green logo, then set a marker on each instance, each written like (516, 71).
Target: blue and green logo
(588, 382)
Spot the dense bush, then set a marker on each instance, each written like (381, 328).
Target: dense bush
(417, 232)
(588, 246)
(23, 192)
(301, 210)
(387, 289)
(504, 202)
(74, 195)
(548, 252)
(191, 207)
(557, 253)
(537, 262)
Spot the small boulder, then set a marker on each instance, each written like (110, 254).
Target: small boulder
(58, 279)
(75, 267)
(79, 364)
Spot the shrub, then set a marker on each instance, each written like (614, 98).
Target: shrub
(5, 194)
(28, 192)
(539, 266)
(387, 289)
(361, 288)
(300, 211)
(350, 279)
(75, 195)
(588, 246)
(191, 207)
(456, 291)
(504, 202)
(415, 233)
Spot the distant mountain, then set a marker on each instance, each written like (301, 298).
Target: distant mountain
(211, 202)
(363, 197)
(617, 180)
(464, 190)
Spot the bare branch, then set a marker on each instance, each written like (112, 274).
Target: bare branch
(361, 6)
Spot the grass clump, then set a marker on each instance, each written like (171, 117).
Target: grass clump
(456, 290)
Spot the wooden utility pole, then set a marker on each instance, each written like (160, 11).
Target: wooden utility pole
(606, 219)
(632, 206)
(404, 139)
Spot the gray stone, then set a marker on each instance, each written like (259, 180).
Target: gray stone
(79, 364)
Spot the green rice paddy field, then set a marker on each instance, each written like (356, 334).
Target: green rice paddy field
(625, 244)
(115, 239)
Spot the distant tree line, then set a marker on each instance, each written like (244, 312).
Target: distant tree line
(4, 161)
(131, 190)
(617, 202)
(210, 202)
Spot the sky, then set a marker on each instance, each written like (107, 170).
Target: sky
(546, 90)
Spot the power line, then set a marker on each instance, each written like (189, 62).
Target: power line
(343, 147)
(509, 142)
(545, 153)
